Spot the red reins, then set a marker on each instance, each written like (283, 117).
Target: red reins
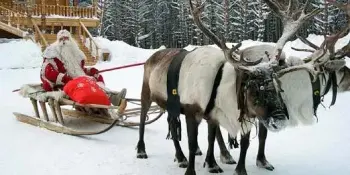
(121, 67)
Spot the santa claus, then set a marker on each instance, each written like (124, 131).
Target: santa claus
(64, 61)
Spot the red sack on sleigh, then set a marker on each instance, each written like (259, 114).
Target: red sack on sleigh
(85, 91)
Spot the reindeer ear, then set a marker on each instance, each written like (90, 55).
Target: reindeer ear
(334, 65)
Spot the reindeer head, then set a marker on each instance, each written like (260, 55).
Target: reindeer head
(260, 95)
(259, 92)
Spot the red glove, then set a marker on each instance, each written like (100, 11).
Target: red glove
(93, 71)
(66, 79)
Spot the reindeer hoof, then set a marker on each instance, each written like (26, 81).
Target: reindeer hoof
(227, 158)
(142, 155)
(264, 164)
(215, 169)
(198, 152)
(240, 172)
(183, 163)
(190, 172)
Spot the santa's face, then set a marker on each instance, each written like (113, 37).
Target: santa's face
(65, 41)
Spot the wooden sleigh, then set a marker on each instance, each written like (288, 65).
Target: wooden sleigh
(57, 101)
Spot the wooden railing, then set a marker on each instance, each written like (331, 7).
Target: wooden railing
(66, 11)
(39, 37)
(93, 46)
(54, 10)
(11, 18)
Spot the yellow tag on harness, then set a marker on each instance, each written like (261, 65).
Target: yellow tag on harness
(174, 92)
(316, 92)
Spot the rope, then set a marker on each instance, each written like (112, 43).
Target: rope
(121, 67)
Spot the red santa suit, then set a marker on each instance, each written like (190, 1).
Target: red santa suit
(60, 66)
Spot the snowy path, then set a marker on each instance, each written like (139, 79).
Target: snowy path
(320, 149)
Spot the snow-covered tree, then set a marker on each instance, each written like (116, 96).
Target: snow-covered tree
(152, 23)
(241, 19)
(109, 19)
(260, 12)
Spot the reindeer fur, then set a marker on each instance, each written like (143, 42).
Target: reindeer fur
(297, 96)
(196, 83)
(343, 79)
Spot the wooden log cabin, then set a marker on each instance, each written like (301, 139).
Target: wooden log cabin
(40, 20)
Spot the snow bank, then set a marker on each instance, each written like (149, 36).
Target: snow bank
(123, 53)
(20, 53)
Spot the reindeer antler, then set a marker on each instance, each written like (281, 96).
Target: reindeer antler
(325, 51)
(330, 41)
(307, 66)
(292, 17)
(230, 54)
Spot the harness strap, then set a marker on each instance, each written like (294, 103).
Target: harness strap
(173, 105)
(333, 78)
(316, 93)
(332, 82)
(211, 102)
(240, 89)
(241, 99)
(316, 90)
(328, 85)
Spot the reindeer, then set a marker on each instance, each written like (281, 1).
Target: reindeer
(220, 86)
(334, 75)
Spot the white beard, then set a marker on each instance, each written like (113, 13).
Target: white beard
(71, 56)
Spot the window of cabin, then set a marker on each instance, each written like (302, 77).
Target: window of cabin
(20, 1)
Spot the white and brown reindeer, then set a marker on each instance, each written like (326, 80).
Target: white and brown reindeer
(334, 76)
(237, 91)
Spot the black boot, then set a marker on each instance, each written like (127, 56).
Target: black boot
(116, 98)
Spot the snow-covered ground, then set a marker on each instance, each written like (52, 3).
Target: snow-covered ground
(321, 149)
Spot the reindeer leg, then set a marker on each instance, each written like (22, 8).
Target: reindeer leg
(210, 159)
(225, 155)
(261, 159)
(145, 105)
(179, 155)
(240, 168)
(198, 151)
(192, 132)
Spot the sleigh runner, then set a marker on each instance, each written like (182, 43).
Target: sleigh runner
(57, 100)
